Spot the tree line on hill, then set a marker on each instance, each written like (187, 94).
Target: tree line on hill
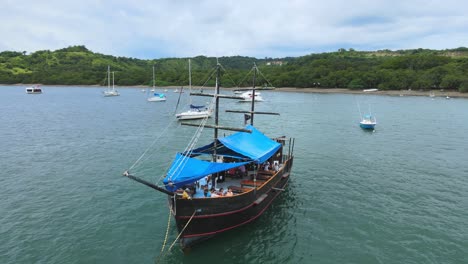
(419, 69)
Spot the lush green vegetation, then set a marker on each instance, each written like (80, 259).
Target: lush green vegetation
(384, 69)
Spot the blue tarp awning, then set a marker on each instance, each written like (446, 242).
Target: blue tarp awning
(185, 170)
(250, 147)
(254, 145)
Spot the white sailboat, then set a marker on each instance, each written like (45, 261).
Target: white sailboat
(195, 112)
(156, 97)
(110, 92)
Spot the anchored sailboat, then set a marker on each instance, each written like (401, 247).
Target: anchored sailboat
(368, 121)
(110, 91)
(239, 163)
(195, 111)
(156, 97)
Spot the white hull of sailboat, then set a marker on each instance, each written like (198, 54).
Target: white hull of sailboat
(249, 100)
(111, 93)
(190, 115)
(156, 99)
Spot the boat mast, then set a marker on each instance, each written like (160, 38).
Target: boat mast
(190, 81)
(108, 77)
(113, 81)
(216, 109)
(153, 77)
(252, 108)
(190, 75)
(215, 141)
(216, 94)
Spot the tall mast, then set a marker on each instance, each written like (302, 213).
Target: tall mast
(190, 75)
(217, 96)
(108, 77)
(253, 94)
(112, 81)
(153, 77)
(215, 141)
(217, 104)
(190, 81)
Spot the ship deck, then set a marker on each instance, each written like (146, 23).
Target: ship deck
(237, 184)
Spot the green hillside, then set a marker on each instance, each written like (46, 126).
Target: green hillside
(384, 69)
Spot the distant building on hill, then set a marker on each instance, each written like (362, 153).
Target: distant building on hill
(278, 63)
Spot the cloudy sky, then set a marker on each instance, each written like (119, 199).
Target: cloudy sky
(149, 29)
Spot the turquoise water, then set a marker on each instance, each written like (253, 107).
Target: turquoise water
(396, 195)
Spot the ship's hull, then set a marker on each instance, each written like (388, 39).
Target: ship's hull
(156, 99)
(367, 125)
(200, 219)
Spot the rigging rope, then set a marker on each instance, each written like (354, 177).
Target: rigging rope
(209, 77)
(182, 231)
(166, 237)
(181, 162)
(152, 144)
(227, 74)
(359, 108)
(264, 77)
(245, 77)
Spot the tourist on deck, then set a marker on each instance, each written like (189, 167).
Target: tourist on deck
(221, 177)
(185, 194)
(266, 166)
(214, 194)
(231, 172)
(206, 192)
(229, 192)
(276, 165)
(221, 191)
(242, 170)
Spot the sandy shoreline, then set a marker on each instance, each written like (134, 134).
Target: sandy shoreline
(436, 93)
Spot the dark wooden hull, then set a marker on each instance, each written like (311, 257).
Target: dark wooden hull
(202, 218)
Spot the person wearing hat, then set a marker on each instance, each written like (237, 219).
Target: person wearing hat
(185, 194)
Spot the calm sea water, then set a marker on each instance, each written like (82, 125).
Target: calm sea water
(396, 195)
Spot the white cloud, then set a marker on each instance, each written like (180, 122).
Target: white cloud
(165, 28)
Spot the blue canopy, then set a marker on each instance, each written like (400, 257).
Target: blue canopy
(248, 147)
(159, 95)
(185, 170)
(254, 145)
